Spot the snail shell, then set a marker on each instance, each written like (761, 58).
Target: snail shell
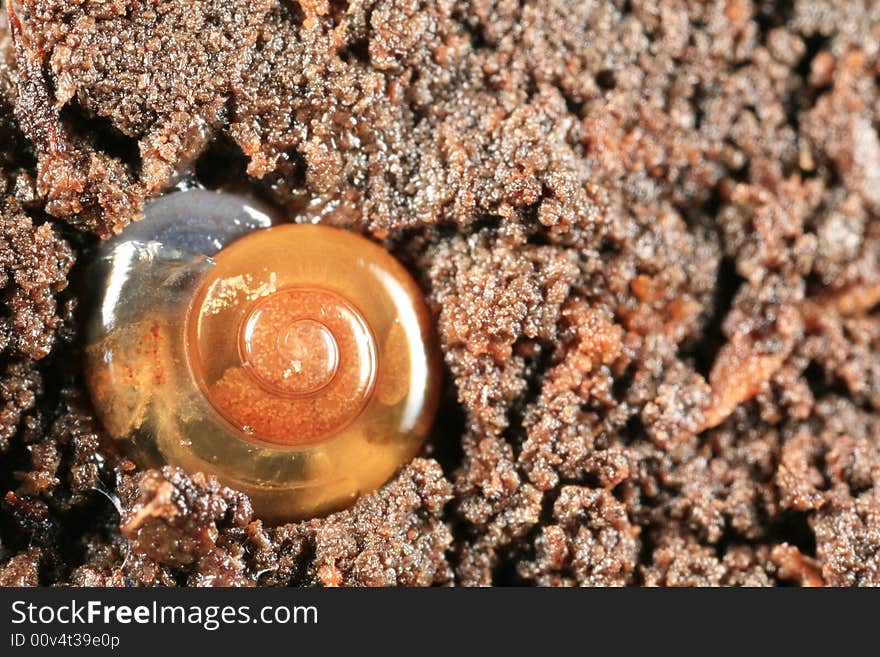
(295, 362)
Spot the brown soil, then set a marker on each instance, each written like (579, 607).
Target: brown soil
(649, 231)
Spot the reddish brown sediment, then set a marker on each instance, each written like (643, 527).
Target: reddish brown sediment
(648, 231)
(289, 393)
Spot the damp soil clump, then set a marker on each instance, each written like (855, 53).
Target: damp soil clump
(649, 232)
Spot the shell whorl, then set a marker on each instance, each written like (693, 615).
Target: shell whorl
(295, 362)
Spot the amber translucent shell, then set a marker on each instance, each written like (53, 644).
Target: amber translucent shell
(298, 364)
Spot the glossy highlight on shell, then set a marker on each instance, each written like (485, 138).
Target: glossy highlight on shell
(295, 362)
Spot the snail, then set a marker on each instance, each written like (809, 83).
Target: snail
(296, 362)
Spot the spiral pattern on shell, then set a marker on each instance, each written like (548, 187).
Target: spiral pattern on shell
(297, 363)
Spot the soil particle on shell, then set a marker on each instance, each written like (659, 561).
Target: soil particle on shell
(648, 230)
